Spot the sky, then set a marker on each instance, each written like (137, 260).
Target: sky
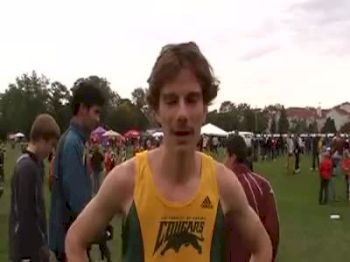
(296, 53)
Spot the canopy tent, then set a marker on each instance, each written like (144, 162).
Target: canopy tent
(132, 134)
(210, 129)
(19, 135)
(98, 131)
(111, 133)
(16, 136)
(158, 134)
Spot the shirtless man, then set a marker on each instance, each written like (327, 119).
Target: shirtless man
(173, 199)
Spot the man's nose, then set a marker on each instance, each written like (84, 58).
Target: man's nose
(182, 113)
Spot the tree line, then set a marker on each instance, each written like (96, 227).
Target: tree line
(32, 94)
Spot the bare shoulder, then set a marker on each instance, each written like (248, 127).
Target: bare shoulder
(231, 192)
(119, 184)
(225, 177)
(123, 174)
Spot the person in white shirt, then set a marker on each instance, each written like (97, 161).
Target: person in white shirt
(290, 150)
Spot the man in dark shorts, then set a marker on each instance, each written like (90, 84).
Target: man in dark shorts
(260, 197)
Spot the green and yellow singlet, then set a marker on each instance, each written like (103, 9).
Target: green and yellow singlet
(159, 230)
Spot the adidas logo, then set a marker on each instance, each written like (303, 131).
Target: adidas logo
(206, 203)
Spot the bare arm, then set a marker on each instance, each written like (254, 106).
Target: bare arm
(247, 222)
(112, 198)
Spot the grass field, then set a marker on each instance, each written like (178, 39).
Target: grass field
(307, 232)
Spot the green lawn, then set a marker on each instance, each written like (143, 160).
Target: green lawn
(307, 232)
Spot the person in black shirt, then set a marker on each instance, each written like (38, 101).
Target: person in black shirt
(315, 153)
(27, 221)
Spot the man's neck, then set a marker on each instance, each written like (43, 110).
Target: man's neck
(179, 166)
(34, 150)
(79, 122)
(76, 120)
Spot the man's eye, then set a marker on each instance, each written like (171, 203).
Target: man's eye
(171, 102)
(192, 100)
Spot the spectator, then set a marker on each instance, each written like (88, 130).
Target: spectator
(325, 175)
(71, 189)
(96, 167)
(260, 197)
(346, 170)
(315, 152)
(297, 152)
(27, 222)
(290, 151)
(109, 160)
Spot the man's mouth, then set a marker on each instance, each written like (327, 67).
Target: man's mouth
(183, 133)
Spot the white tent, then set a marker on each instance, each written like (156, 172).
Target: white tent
(111, 133)
(210, 129)
(19, 135)
(158, 134)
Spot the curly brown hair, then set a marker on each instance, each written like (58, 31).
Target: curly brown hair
(171, 60)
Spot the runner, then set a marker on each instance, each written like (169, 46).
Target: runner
(173, 199)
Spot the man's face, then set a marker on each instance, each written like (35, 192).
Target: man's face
(91, 116)
(46, 147)
(181, 111)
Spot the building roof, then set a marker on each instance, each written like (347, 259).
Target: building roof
(301, 112)
(312, 113)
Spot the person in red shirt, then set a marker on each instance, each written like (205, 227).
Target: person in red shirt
(260, 197)
(325, 170)
(346, 168)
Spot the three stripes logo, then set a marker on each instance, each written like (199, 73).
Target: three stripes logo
(206, 203)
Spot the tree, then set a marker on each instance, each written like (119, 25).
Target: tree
(329, 126)
(313, 127)
(283, 123)
(59, 106)
(273, 128)
(127, 116)
(139, 97)
(345, 128)
(23, 101)
(248, 123)
(262, 121)
(226, 106)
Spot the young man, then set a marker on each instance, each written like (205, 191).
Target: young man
(173, 199)
(71, 189)
(27, 223)
(260, 197)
